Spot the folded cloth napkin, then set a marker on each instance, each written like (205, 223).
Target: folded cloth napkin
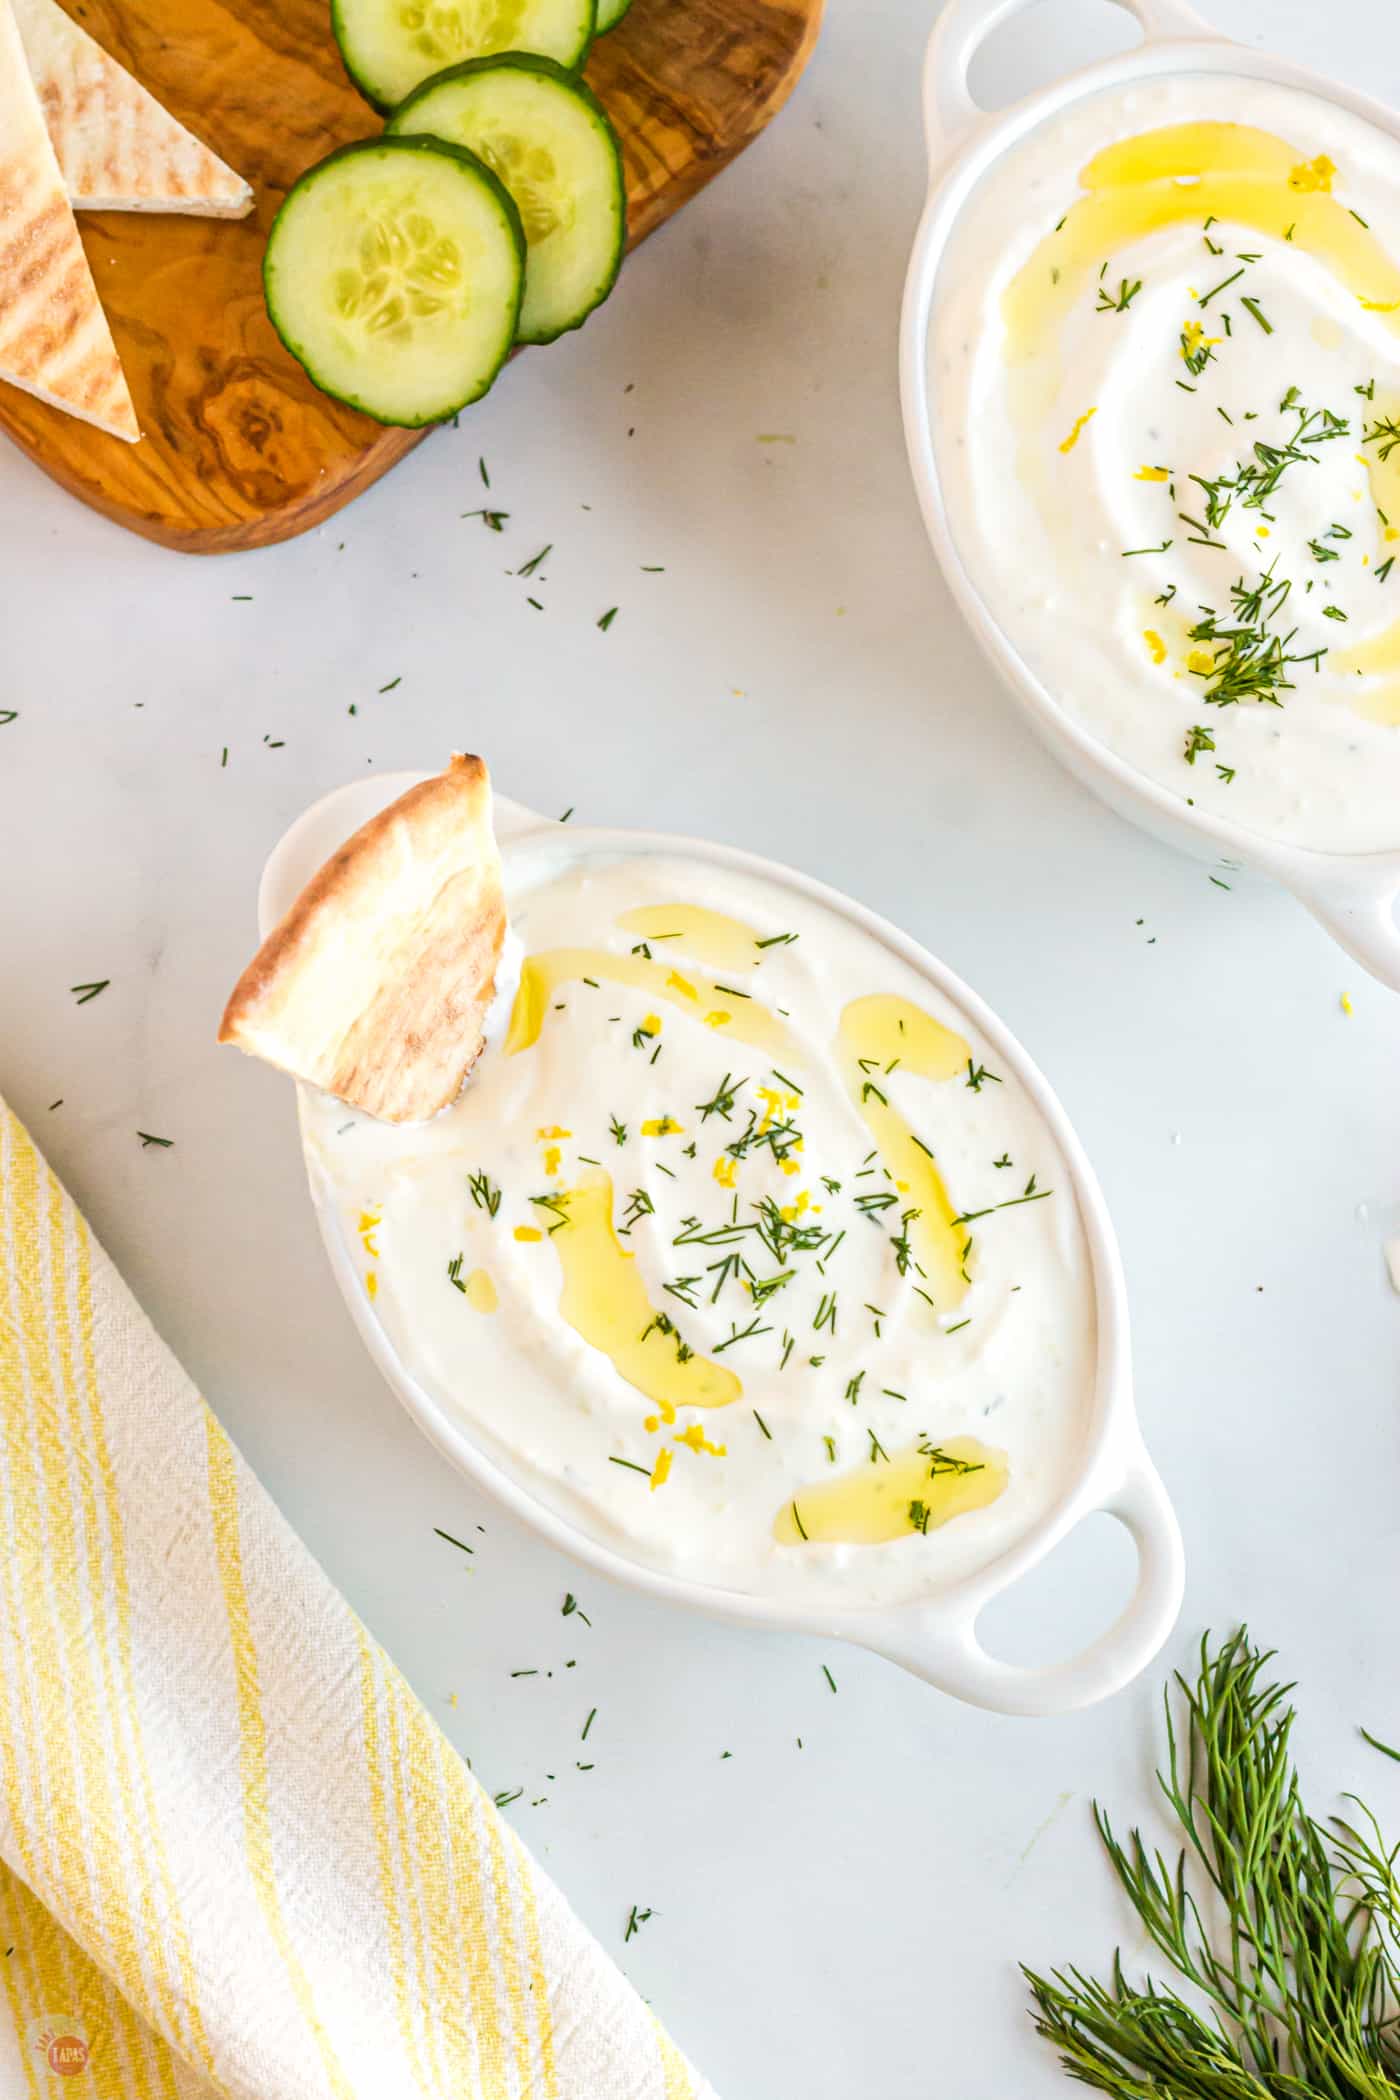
(236, 1856)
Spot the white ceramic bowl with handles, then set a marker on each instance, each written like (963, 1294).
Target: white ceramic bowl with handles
(1353, 895)
(935, 1637)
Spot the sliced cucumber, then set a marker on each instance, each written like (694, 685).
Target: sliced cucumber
(549, 140)
(390, 46)
(610, 13)
(394, 273)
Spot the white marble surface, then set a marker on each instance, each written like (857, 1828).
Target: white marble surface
(844, 1917)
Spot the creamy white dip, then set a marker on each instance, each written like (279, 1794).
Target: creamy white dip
(1149, 287)
(691, 1257)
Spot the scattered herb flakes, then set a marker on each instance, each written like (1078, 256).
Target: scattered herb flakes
(7, 715)
(485, 477)
(637, 1918)
(224, 760)
(828, 1676)
(592, 1717)
(242, 598)
(85, 992)
(493, 520)
(391, 685)
(148, 1137)
(608, 617)
(529, 567)
(572, 1605)
(504, 1800)
(437, 1533)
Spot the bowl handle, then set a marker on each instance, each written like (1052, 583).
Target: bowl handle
(1362, 919)
(949, 110)
(946, 1650)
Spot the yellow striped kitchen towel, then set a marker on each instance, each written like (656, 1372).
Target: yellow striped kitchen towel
(236, 1856)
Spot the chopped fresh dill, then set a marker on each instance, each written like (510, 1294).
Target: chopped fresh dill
(484, 1195)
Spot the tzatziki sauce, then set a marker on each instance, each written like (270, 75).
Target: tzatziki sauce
(742, 1251)
(1165, 361)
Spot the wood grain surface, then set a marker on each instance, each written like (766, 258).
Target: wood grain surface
(239, 448)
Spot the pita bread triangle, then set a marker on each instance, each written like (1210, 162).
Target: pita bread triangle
(119, 150)
(377, 984)
(54, 338)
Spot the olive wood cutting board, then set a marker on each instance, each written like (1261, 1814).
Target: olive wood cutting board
(239, 448)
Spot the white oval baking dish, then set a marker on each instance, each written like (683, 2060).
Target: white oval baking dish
(1353, 895)
(936, 1638)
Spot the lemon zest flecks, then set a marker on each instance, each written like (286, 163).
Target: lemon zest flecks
(662, 1126)
(1347, 1007)
(1068, 444)
(717, 1019)
(1194, 339)
(652, 1025)
(528, 1232)
(661, 1471)
(1201, 662)
(369, 1219)
(1157, 648)
(682, 985)
(372, 1284)
(1153, 474)
(695, 1439)
(1311, 176)
(726, 1169)
(553, 1130)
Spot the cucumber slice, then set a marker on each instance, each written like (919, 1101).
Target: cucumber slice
(394, 273)
(549, 140)
(610, 13)
(390, 46)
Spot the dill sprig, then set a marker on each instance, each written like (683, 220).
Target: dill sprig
(1384, 433)
(1291, 1954)
(1118, 302)
(1250, 660)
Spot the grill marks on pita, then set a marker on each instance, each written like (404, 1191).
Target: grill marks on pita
(54, 339)
(117, 147)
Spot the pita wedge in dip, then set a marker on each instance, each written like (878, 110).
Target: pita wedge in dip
(118, 149)
(54, 338)
(377, 984)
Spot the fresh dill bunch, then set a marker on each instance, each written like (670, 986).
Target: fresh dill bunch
(1294, 1984)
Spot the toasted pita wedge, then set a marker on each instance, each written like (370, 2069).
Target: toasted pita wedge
(119, 150)
(377, 984)
(54, 338)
